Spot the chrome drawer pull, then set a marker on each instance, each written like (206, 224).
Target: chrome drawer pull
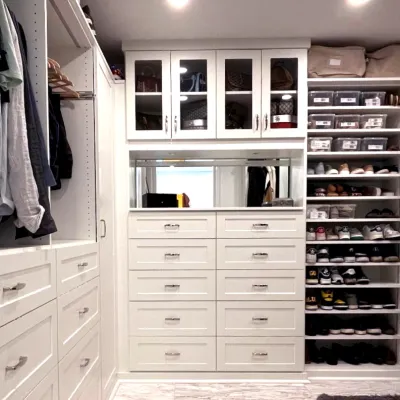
(172, 319)
(264, 226)
(260, 286)
(171, 226)
(257, 354)
(15, 288)
(172, 354)
(260, 319)
(171, 255)
(260, 254)
(84, 310)
(172, 286)
(84, 362)
(21, 362)
(82, 265)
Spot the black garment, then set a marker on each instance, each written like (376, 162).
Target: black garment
(54, 130)
(256, 189)
(36, 146)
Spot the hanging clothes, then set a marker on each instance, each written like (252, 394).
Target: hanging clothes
(256, 186)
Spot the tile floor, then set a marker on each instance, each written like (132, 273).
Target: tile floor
(252, 391)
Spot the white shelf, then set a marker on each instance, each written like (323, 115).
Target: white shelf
(376, 285)
(238, 92)
(354, 109)
(342, 366)
(354, 83)
(354, 132)
(355, 242)
(365, 264)
(371, 311)
(353, 177)
(346, 155)
(353, 337)
(357, 220)
(150, 94)
(275, 94)
(353, 198)
(214, 209)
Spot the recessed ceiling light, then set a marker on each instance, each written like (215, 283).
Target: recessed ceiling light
(178, 4)
(357, 3)
(182, 70)
(286, 97)
(183, 98)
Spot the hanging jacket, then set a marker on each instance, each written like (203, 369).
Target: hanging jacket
(256, 186)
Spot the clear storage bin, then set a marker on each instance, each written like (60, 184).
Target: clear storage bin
(318, 211)
(373, 98)
(373, 121)
(346, 98)
(320, 98)
(343, 211)
(374, 144)
(347, 144)
(348, 121)
(321, 121)
(316, 144)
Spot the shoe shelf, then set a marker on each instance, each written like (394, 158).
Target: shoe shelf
(346, 155)
(357, 220)
(353, 337)
(354, 177)
(366, 84)
(371, 311)
(355, 109)
(353, 198)
(374, 285)
(355, 242)
(366, 264)
(353, 132)
(343, 366)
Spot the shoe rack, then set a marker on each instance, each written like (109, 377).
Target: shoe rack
(384, 276)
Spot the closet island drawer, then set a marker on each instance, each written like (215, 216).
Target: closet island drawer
(162, 254)
(260, 254)
(47, 388)
(27, 281)
(260, 285)
(249, 225)
(191, 225)
(172, 354)
(172, 318)
(260, 354)
(28, 351)
(78, 312)
(76, 265)
(269, 318)
(76, 367)
(171, 285)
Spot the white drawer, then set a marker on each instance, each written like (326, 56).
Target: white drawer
(92, 391)
(260, 354)
(259, 225)
(78, 312)
(77, 365)
(172, 285)
(176, 318)
(267, 318)
(47, 388)
(260, 285)
(192, 225)
(172, 354)
(161, 254)
(28, 351)
(76, 265)
(260, 254)
(27, 281)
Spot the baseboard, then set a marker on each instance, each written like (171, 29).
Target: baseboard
(111, 386)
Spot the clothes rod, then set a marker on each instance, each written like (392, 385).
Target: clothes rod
(211, 163)
(83, 95)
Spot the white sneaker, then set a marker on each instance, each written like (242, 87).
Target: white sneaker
(310, 235)
(330, 235)
(389, 232)
(343, 232)
(336, 278)
(372, 233)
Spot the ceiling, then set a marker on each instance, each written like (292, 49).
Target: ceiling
(324, 21)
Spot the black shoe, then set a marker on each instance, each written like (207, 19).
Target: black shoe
(335, 326)
(329, 356)
(311, 302)
(326, 299)
(349, 276)
(362, 257)
(322, 328)
(324, 276)
(362, 350)
(315, 354)
(348, 354)
(350, 255)
(311, 327)
(390, 254)
(340, 302)
(387, 329)
(363, 302)
(377, 355)
(376, 255)
(347, 328)
(374, 327)
(312, 276)
(323, 255)
(374, 214)
(361, 278)
(360, 327)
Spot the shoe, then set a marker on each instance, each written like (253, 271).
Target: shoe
(347, 354)
(377, 355)
(389, 232)
(314, 353)
(311, 256)
(340, 302)
(372, 191)
(330, 235)
(310, 235)
(357, 171)
(320, 169)
(350, 255)
(329, 356)
(311, 327)
(311, 303)
(376, 301)
(310, 171)
(344, 169)
(336, 278)
(361, 257)
(362, 350)
(331, 171)
(312, 276)
(322, 328)
(387, 213)
(387, 329)
(336, 258)
(361, 278)
(326, 299)
(374, 327)
(349, 276)
(351, 300)
(393, 169)
(323, 255)
(324, 276)
(355, 234)
(376, 255)
(335, 326)
(320, 233)
(390, 254)
(374, 214)
(343, 232)
(387, 301)
(372, 233)
(381, 171)
(389, 356)
(360, 328)
(368, 169)
(347, 328)
(387, 193)
(363, 303)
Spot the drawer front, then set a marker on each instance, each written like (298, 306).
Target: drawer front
(77, 365)
(161, 254)
(92, 391)
(260, 285)
(250, 225)
(78, 312)
(28, 351)
(260, 254)
(172, 354)
(173, 225)
(172, 319)
(269, 318)
(260, 354)
(47, 388)
(27, 281)
(76, 265)
(171, 285)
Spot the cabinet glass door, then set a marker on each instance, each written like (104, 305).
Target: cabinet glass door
(239, 94)
(284, 93)
(148, 86)
(193, 94)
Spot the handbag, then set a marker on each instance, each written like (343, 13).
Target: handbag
(281, 78)
(235, 115)
(237, 81)
(194, 83)
(147, 81)
(384, 62)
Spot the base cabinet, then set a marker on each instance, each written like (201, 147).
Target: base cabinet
(47, 388)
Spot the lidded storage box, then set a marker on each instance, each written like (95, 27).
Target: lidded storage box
(316, 144)
(348, 121)
(374, 144)
(321, 121)
(320, 98)
(373, 121)
(347, 144)
(370, 99)
(346, 98)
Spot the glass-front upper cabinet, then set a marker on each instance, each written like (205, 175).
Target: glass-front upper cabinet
(284, 93)
(193, 94)
(239, 94)
(148, 89)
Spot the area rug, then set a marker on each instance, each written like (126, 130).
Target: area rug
(326, 397)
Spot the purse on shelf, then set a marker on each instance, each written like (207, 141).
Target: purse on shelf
(194, 83)
(147, 81)
(281, 78)
(148, 122)
(194, 115)
(237, 81)
(235, 115)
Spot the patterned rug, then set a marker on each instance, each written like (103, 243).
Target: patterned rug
(326, 397)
